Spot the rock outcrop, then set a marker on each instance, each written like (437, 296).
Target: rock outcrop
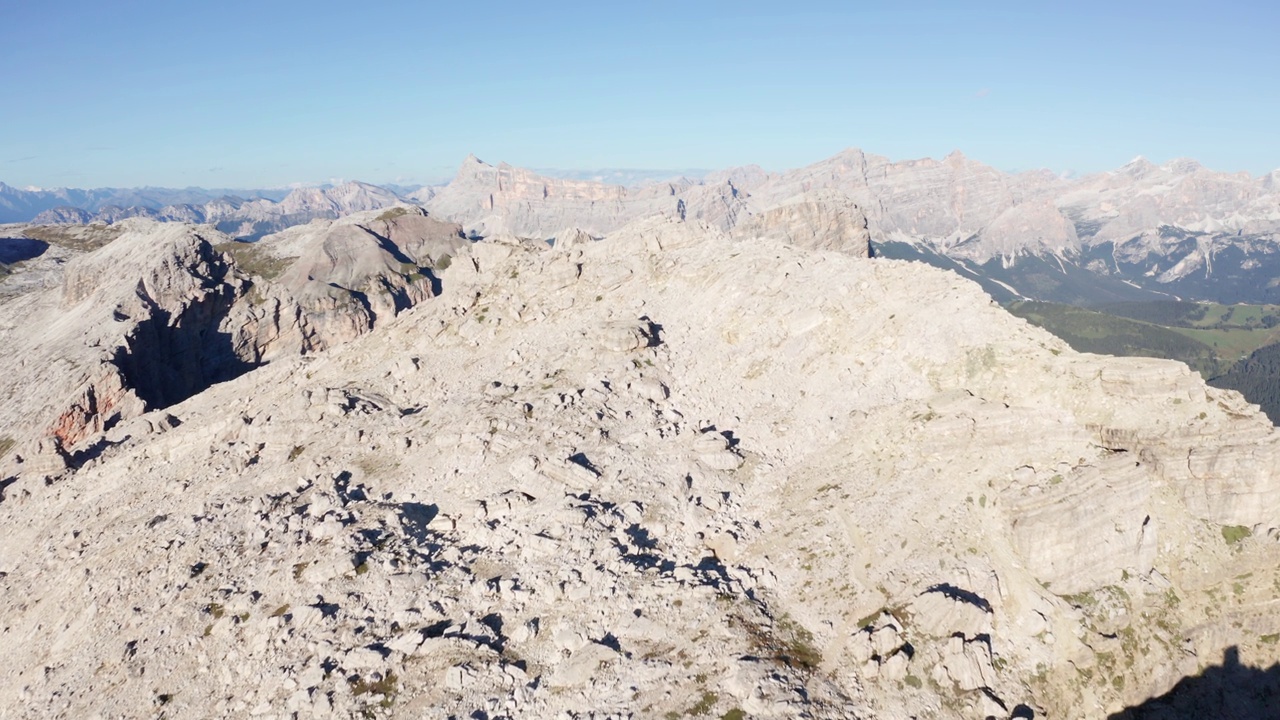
(674, 471)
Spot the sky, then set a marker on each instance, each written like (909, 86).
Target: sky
(273, 92)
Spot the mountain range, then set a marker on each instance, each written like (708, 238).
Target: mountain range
(1141, 232)
(26, 204)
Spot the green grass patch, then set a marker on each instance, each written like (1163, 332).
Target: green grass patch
(255, 259)
(393, 213)
(386, 687)
(798, 648)
(704, 704)
(1235, 534)
(85, 238)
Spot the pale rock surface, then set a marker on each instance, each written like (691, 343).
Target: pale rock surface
(518, 500)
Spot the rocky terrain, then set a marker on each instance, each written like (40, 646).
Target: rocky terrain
(699, 468)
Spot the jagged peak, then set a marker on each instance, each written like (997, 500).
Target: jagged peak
(472, 162)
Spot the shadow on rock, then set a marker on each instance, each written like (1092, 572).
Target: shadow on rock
(15, 250)
(1229, 691)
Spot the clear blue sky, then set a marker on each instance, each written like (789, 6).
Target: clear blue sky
(271, 92)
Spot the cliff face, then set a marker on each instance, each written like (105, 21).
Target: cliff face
(672, 471)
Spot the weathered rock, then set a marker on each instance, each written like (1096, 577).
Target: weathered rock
(518, 499)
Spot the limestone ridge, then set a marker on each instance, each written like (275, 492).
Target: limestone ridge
(674, 471)
(955, 203)
(163, 311)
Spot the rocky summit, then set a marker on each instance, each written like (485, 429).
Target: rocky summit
(370, 468)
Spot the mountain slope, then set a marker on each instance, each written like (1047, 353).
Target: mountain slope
(671, 472)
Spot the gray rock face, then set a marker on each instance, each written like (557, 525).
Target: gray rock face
(676, 470)
(347, 276)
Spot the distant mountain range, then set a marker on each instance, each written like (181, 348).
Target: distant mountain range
(247, 218)
(1172, 231)
(24, 205)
